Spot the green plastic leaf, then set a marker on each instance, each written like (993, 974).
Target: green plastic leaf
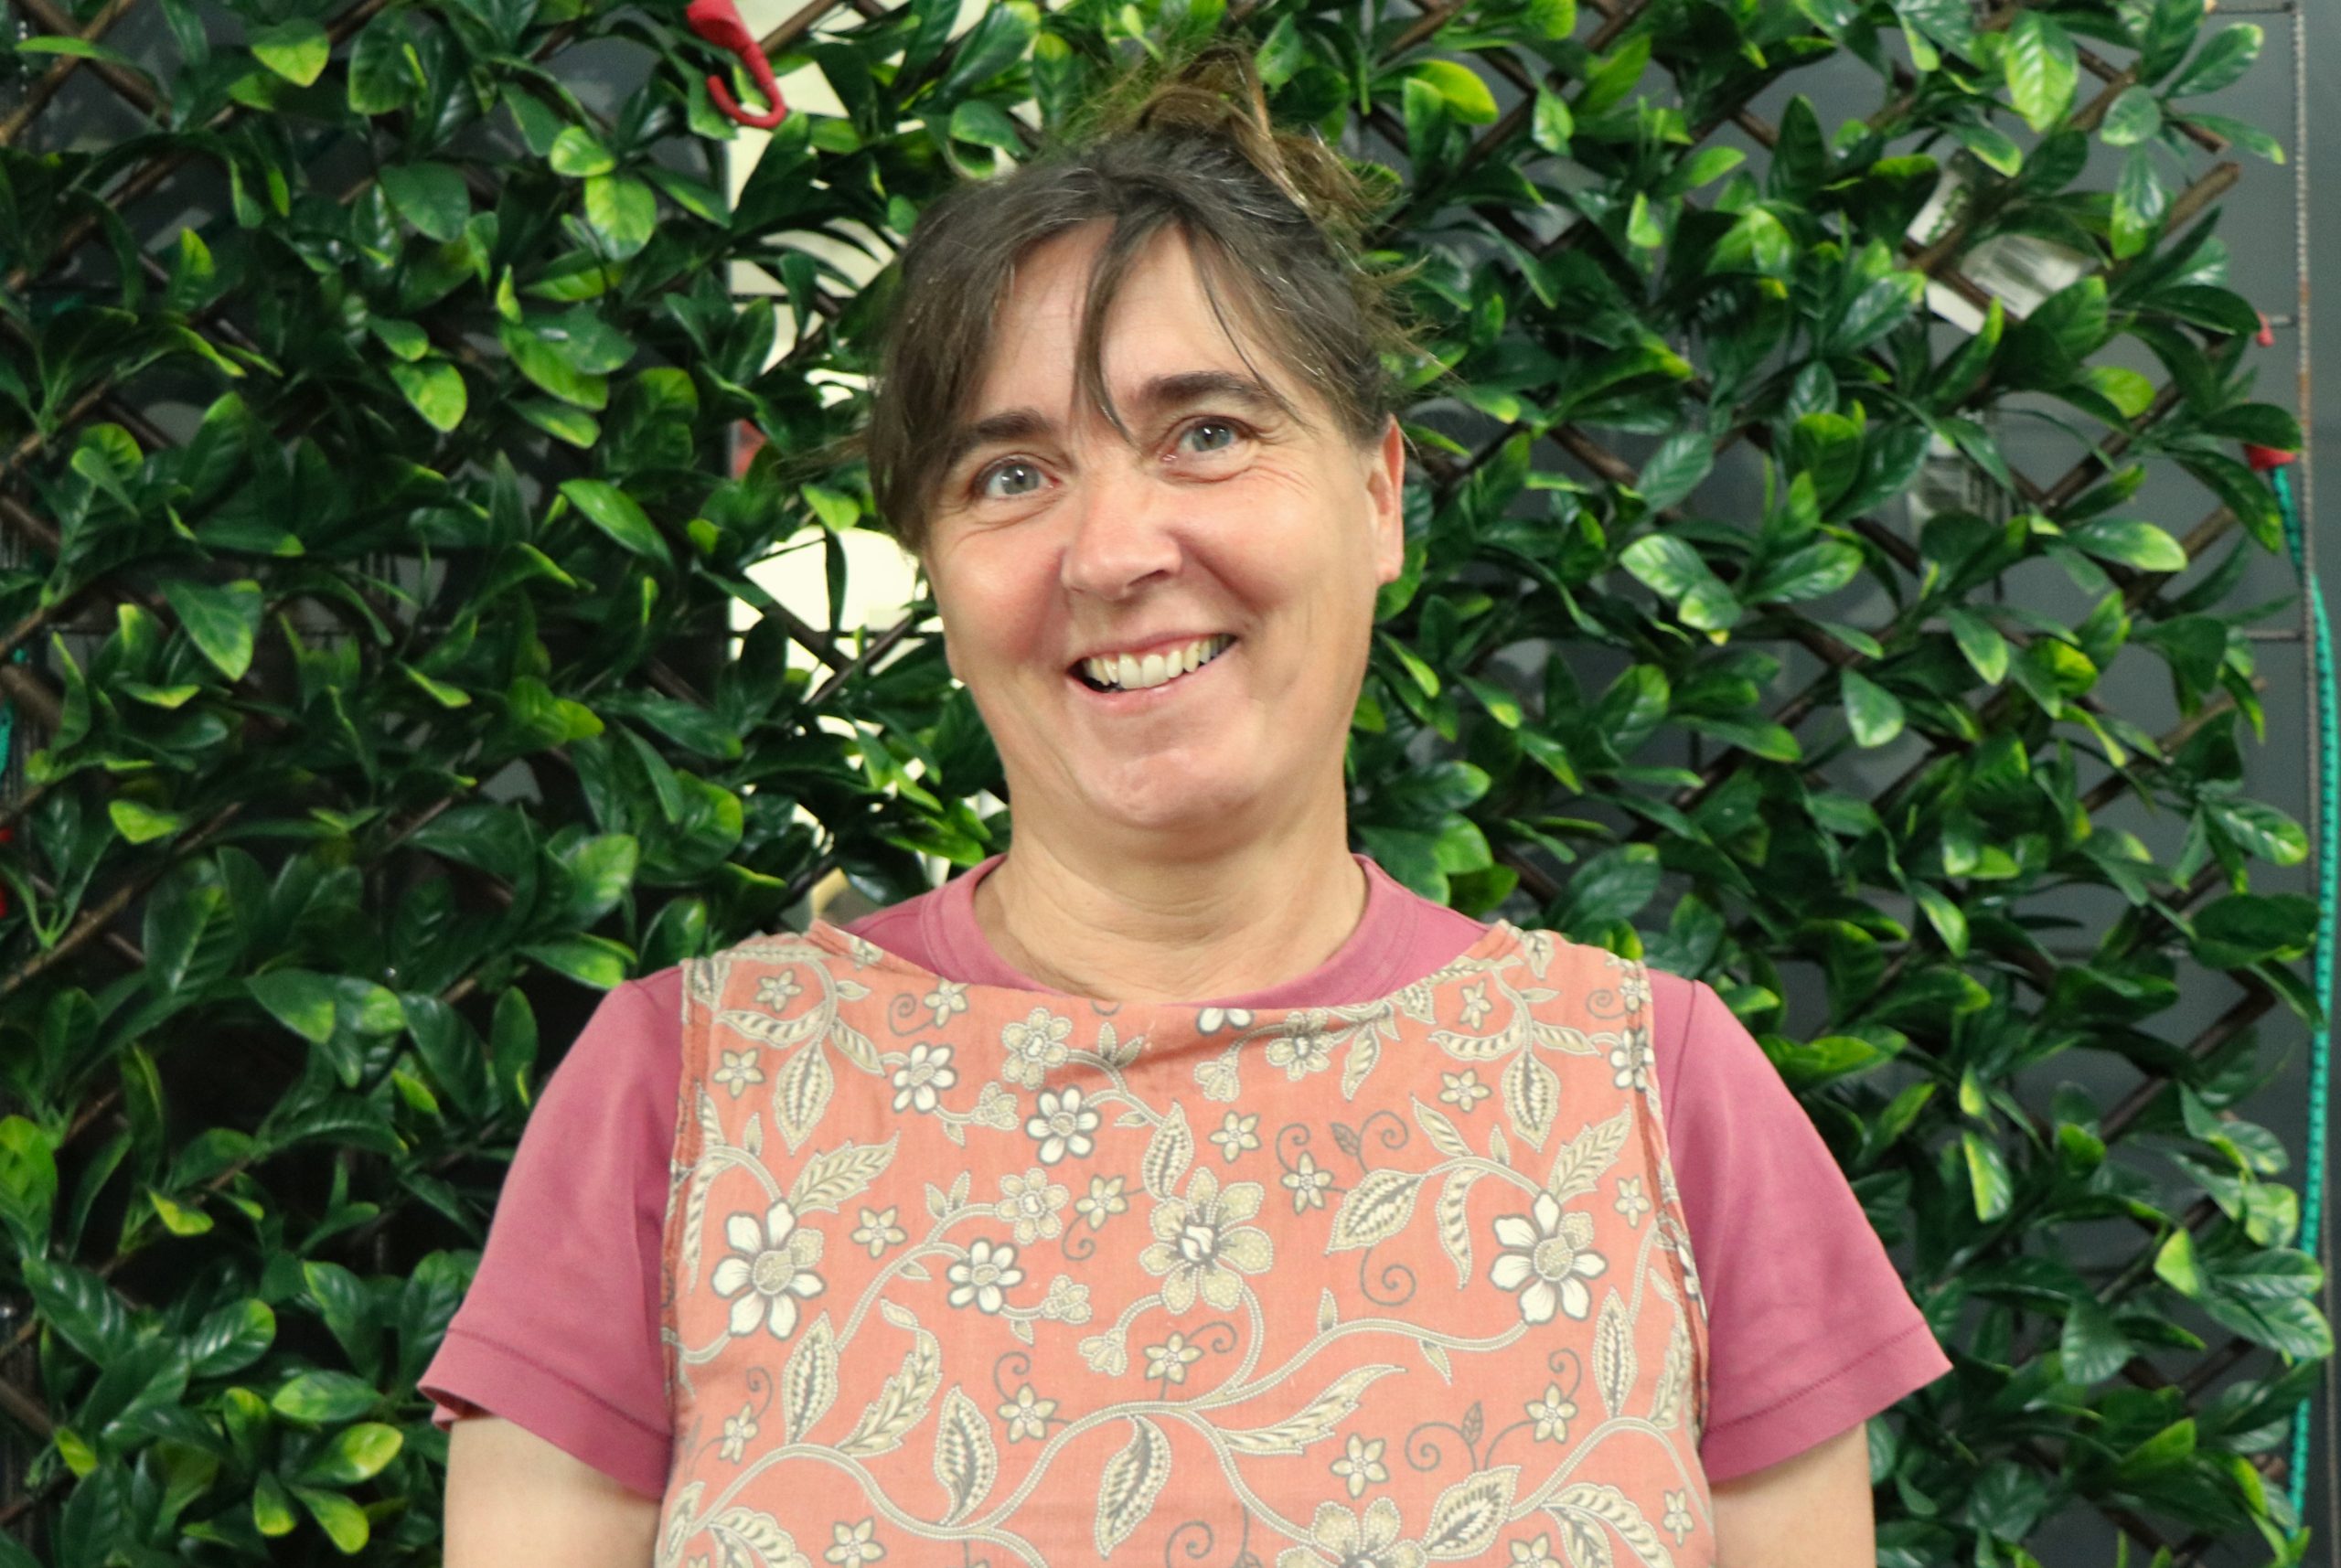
(323, 1397)
(220, 619)
(1875, 713)
(355, 1454)
(1987, 1175)
(142, 824)
(2042, 67)
(431, 196)
(300, 999)
(343, 1522)
(434, 389)
(579, 154)
(2133, 117)
(623, 211)
(1467, 98)
(618, 515)
(296, 51)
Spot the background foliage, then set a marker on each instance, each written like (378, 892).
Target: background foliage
(366, 387)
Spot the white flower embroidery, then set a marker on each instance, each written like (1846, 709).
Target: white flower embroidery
(1027, 1414)
(770, 1267)
(1066, 1301)
(1305, 1047)
(1551, 1414)
(1632, 1202)
(739, 1071)
(1104, 1199)
(1199, 1242)
(1629, 1062)
(1633, 988)
(1062, 1125)
(1167, 1362)
(852, 1543)
(981, 1276)
(1307, 1180)
(1677, 1518)
(1551, 1255)
(1236, 1134)
(1368, 1540)
(1536, 1553)
(878, 1231)
(1030, 1204)
(1476, 1005)
(926, 1068)
(1361, 1466)
(947, 998)
(1463, 1090)
(777, 991)
(738, 1432)
(1034, 1046)
(1211, 1020)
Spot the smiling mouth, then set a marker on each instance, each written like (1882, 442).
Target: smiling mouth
(1125, 673)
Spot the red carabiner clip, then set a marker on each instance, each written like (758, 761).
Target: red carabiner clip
(718, 21)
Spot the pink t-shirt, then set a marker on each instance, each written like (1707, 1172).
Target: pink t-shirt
(1811, 1329)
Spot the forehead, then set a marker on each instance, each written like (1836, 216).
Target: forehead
(1160, 324)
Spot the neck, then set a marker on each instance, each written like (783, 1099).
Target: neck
(1120, 926)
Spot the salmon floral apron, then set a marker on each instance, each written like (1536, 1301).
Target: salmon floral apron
(962, 1275)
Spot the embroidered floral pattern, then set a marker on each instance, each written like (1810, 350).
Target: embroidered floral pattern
(769, 1271)
(1551, 1254)
(1468, 1162)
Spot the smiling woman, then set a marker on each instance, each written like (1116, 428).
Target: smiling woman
(1136, 419)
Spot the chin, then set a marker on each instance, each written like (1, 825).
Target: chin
(1172, 799)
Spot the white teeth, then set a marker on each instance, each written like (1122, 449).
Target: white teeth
(1129, 673)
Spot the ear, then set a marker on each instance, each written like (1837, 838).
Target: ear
(1385, 488)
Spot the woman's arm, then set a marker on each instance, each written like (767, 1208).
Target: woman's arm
(514, 1498)
(1809, 1511)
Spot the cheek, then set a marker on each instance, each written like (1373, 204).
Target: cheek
(995, 604)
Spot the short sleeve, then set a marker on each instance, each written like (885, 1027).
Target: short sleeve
(558, 1332)
(1811, 1329)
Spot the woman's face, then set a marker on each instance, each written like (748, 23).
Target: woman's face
(1052, 543)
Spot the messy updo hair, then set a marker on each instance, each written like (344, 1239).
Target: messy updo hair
(1272, 217)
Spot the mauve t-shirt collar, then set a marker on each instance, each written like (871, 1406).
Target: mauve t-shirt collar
(1371, 962)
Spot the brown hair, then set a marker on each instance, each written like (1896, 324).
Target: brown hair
(1279, 217)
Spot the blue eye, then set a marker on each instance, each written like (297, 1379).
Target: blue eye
(983, 480)
(1228, 425)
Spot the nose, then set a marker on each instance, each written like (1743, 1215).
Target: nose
(1124, 533)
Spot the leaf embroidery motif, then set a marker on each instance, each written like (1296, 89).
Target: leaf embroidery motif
(808, 1386)
(1133, 1479)
(804, 1095)
(1168, 1153)
(1465, 1518)
(903, 1398)
(1582, 1161)
(1613, 1353)
(1314, 1420)
(830, 1179)
(1532, 1092)
(966, 1461)
(1377, 1208)
(1454, 1223)
(1597, 1500)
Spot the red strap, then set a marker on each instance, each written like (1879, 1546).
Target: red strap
(718, 21)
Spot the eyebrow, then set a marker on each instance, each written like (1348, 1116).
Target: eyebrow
(1158, 395)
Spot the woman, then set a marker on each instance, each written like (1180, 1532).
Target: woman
(985, 1240)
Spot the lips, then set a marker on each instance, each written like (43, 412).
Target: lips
(1119, 696)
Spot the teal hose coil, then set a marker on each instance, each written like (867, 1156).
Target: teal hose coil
(2329, 744)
